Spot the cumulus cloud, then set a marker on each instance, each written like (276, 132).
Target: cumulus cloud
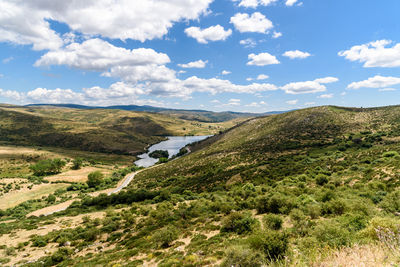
(375, 82)
(256, 22)
(262, 59)
(99, 55)
(213, 33)
(225, 72)
(27, 22)
(7, 60)
(308, 87)
(195, 64)
(296, 54)
(10, 94)
(374, 54)
(290, 2)
(56, 96)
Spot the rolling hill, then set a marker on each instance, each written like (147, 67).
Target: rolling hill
(97, 130)
(193, 115)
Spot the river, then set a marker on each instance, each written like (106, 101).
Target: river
(172, 145)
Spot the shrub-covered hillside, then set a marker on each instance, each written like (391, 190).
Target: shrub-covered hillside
(97, 130)
(314, 187)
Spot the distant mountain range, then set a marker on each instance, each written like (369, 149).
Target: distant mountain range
(197, 115)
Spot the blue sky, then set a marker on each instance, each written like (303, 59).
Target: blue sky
(244, 55)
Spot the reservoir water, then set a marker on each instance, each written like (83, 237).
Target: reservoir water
(172, 145)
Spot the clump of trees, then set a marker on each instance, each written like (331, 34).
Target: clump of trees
(157, 154)
(47, 167)
(77, 163)
(95, 178)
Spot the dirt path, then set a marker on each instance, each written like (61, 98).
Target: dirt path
(63, 206)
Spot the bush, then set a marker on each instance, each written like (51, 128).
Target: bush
(391, 202)
(390, 154)
(238, 223)
(331, 233)
(47, 167)
(272, 243)
(77, 163)
(273, 222)
(242, 257)
(165, 236)
(95, 178)
(321, 179)
(276, 203)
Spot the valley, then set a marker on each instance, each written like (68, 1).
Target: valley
(312, 187)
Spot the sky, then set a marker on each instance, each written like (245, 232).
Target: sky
(237, 55)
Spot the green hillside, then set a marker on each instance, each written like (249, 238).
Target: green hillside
(109, 131)
(312, 187)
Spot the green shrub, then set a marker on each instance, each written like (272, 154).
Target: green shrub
(239, 256)
(39, 241)
(165, 236)
(77, 163)
(272, 243)
(331, 233)
(239, 223)
(273, 222)
(321, 179)
(390, 154)
(157, 154)
(47, 167)
(277, 203)
(391, 202)
(95, 178)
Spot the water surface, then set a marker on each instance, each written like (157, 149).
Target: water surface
(172, 145)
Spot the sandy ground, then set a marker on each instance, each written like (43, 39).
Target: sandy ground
(14, 198)
(33, 253)
(75, 176)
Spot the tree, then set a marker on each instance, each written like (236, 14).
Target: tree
(95, 178)
(47, 166)
(77, 163)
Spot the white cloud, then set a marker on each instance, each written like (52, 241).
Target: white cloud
(309, 103)
(374, 54)
(249, 79)
(292, 102)
(262, 77)
(256, 22)
(225, 72)
(213, 33)
(195, 64)
(308, 87)
(234, 102)
(326, 96)
(99, 55)
(296, 54)
(248, 43)
(26, 22)
(387, 89)
(375, 82)
(262, 59)
(343, 93)
(256, 3)
(290, 2)
(256, 104)
(215, 101)
(276, 35)
(215, 86)
(14, 95)
(56, 96)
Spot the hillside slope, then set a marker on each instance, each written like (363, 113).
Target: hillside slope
(260, 141)
(109, 131)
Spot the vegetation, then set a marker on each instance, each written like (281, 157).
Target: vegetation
(159, 154)
(95, 179)
(47, 167)
(313, 187)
